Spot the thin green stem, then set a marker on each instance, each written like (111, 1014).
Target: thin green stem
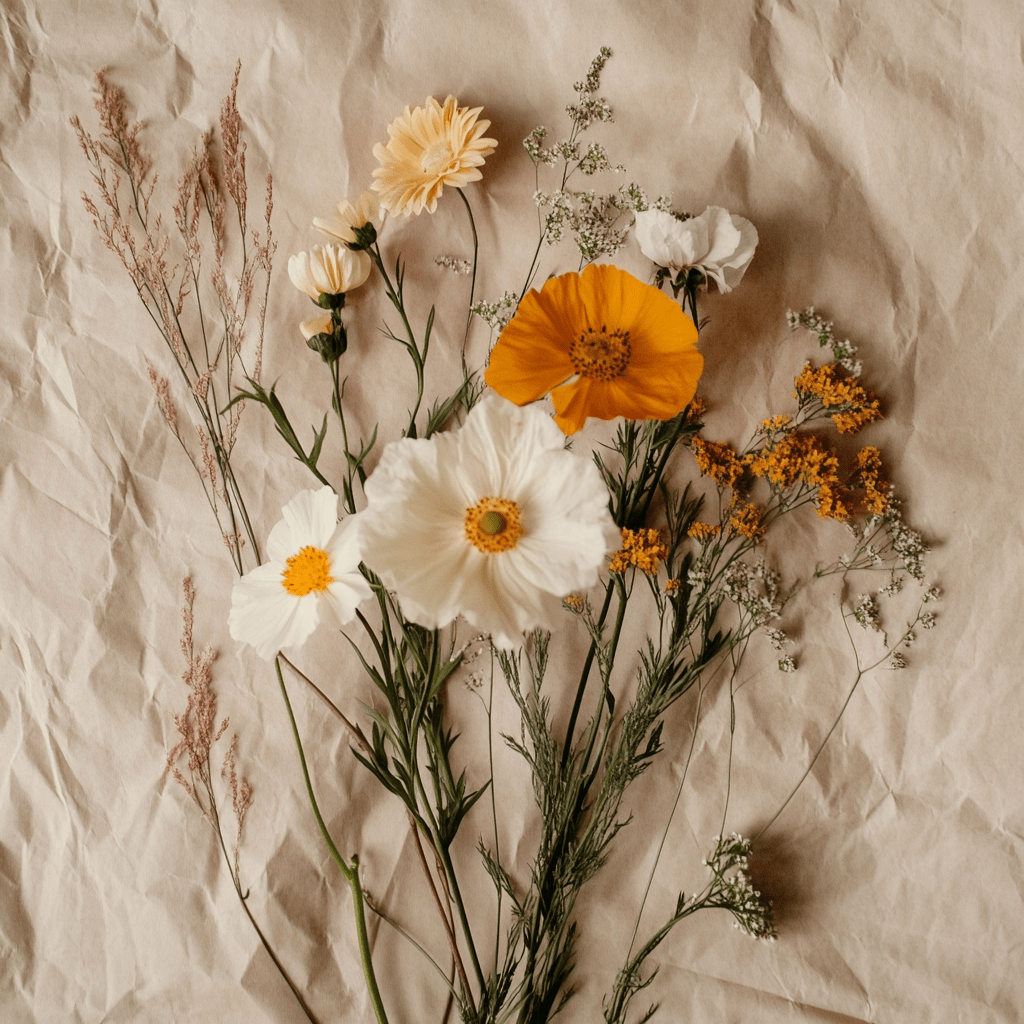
(472, 283)
(584, 675)
(351, 872)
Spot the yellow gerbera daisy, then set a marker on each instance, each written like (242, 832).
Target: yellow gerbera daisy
(430, 147)
(603, 344)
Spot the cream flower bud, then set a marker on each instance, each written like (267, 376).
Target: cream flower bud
(342, 224)
(329, 269)
(717, 242)
(317, 325)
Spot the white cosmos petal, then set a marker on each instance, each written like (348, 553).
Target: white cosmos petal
(413, 530)
(313, 517)
(264, 615)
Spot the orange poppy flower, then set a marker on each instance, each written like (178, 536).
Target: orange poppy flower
(603, 344)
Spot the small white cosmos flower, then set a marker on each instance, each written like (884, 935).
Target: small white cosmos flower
(312, 576)
(331, 269)
(496, 522)
(719, 243)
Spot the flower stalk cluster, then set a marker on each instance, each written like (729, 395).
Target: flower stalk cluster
(496, 521)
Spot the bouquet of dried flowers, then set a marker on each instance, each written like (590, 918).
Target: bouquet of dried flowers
(484, 513)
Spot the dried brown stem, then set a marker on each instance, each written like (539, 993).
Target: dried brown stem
(445, 916)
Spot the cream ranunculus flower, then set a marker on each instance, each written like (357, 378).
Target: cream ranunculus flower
(495, 521)
(430, 147)
(331, 269)
(343, 223)
(313, 576)
(718, 243)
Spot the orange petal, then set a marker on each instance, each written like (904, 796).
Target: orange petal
(532, 353)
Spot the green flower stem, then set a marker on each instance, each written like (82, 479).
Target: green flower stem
(351, 872)
(445, 919)
(620, 614)
(364, 942)
(349, 495)
(585, 675)
(451, 883)
(394, 293)
(472, 283)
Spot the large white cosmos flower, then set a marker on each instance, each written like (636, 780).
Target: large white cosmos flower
(496, 522)
(719, 243)
(312, 576)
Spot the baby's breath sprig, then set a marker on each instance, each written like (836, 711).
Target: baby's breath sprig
(592, 218)
(844, 352)
(496, 314)
(729, 889)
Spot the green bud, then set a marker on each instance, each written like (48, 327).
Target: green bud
(330, 346)
(332, 302)
(365, 237)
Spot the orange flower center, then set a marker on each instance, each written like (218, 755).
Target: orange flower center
(436, 157)
(492, 525)
(307, 572)
(600, 354)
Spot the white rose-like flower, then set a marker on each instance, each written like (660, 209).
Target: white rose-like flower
(717, 242)
(332, 269)
(342, 225)
(495, 521)
(313, 576)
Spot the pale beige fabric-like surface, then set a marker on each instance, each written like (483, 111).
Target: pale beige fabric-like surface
(878, 148)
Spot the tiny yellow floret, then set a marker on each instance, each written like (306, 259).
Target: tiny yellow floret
(848, 404)
(703, 531)
(308, 572)
(718, 461)
(869, 475)
(640, 548)
(747, 519)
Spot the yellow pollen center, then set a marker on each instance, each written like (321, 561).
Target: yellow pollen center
(307, 572)
(436, 157)
(600, 354)
(492, 525)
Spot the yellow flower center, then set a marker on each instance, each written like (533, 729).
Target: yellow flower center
(492, 525)
(600, 354)
(436, 157)
(307, 572)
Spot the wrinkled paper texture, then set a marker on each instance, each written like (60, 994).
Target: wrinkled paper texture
(877, 147)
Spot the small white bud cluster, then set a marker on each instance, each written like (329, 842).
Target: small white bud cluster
(496, 314)
(779, 641)
(844, 352)
(752, 914)
(866, 613)
(755, 588)
(894, 586)
(454, 264)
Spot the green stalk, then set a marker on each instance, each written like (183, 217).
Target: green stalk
(351, 873)
(584, 676)
(472, 283)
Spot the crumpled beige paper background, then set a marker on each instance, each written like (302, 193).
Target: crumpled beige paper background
(877, 147)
